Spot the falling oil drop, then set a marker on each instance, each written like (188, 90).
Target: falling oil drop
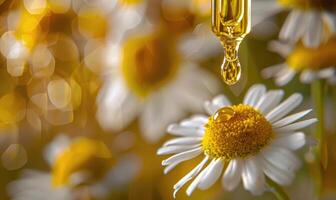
(231, 71)
(231, 68)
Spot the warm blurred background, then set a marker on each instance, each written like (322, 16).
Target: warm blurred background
(87, 88)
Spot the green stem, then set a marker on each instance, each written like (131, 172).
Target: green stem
(317, 90)
(333, 91)
(277, 190)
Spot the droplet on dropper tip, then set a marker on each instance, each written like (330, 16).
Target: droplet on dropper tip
(231, 71)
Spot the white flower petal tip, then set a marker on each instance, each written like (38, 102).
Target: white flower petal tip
(297, 125)
(291, 141)
(290, 119)
(183, 141)
(186, 128)
(182, 156)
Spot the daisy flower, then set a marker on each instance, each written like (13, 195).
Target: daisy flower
(318, 63)
(253, 141)
(145, 72)
(312, 22)
(73, 163)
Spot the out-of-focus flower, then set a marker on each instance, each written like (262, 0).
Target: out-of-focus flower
(77, 165)
(108, 18)
(249, 142)
(150, 78)
(312, 63)
(312, 22)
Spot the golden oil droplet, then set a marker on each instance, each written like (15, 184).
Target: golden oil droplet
(231, 71)
(231, 22)
(224, 114)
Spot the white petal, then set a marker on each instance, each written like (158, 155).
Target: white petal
(196, 181)
(277, 175)
(170, 167)
(183, 141)
(269, 100)
(175, 149)
(196, 121)
(293, 27)
(330, 20)
(157, 114)
(314, 32)
(292, 141)
(117, 106)
(179, 130)
(210, 108)
(295, 126)
(221, 101)
(291, 118)
(271, 71)
(284, 76)
(280, 47)
(284, 108)
(189, 176)
(281, 158)
(253, 177)
(307, 76)
(213, 173)
(232, 175)
(254, 94)
(327, 72)
(187, 155)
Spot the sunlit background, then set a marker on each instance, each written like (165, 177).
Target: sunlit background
(88, 87)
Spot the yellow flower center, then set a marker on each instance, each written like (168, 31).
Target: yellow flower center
(314, 59)
(78, 156)
(148, 62)
(236, 132)
(309, 4)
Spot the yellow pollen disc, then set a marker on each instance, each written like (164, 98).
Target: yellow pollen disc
(148, 63)
(314, 59)
(236, 132)
(309, 4)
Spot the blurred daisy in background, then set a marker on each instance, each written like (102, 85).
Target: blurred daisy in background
(252, 142)
(149, 77)
(80, 167)
(312, 64)
(108, 19)
(312, 22)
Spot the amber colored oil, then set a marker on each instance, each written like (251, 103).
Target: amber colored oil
(231, 22)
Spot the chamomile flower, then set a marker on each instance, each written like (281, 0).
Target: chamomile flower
(73, 163)
(318, 63)
(310, 21)
(248, 142)
(313, 22)
(150, 78)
